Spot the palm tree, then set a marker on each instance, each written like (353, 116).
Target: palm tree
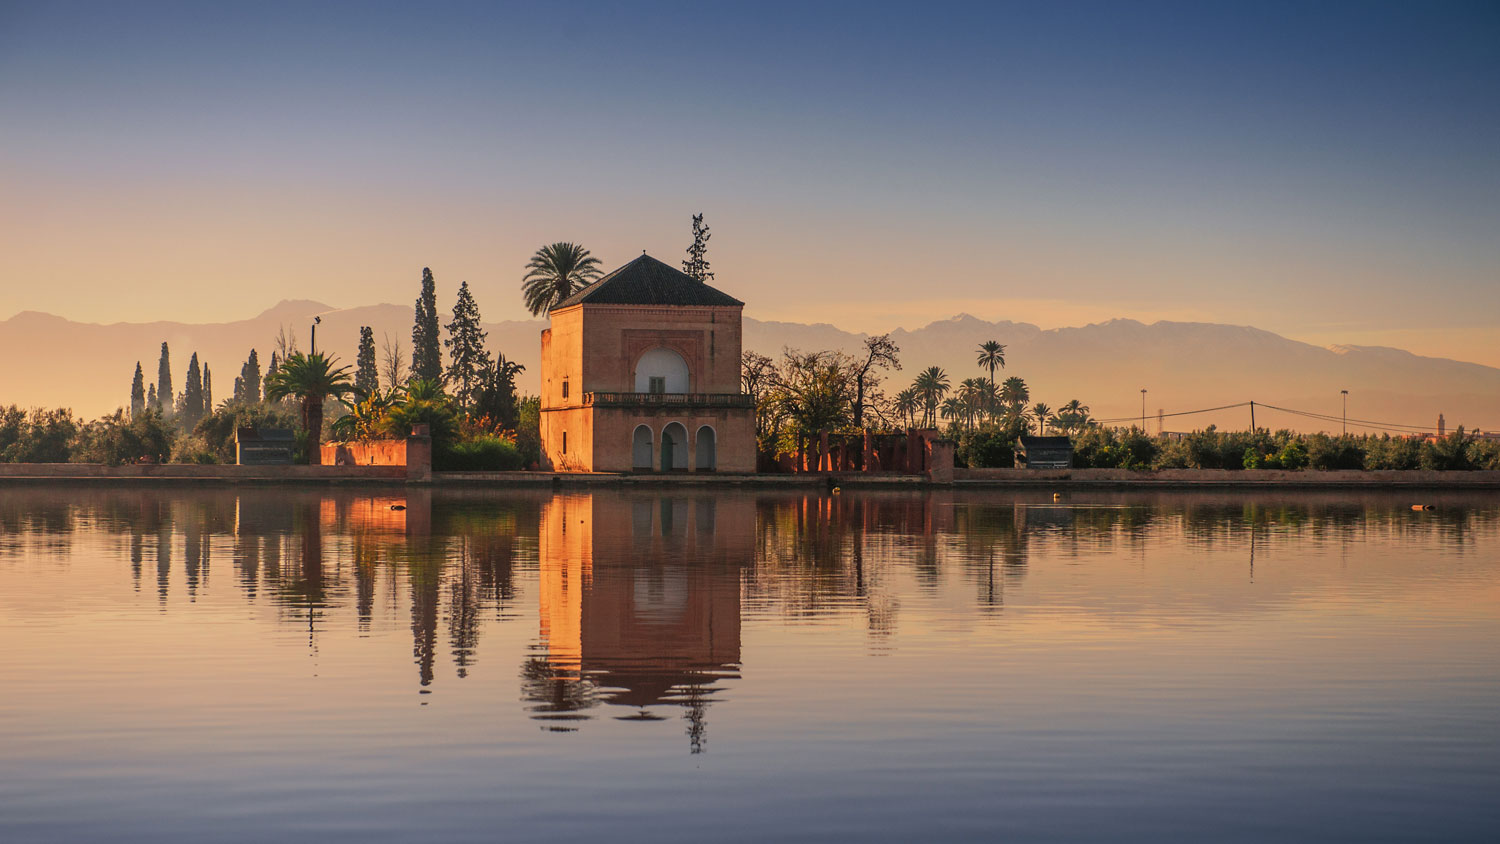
(906, 404)
(972, 391)
(1073, 416)
(1041, 412)
(556, 272)
(931, 385)
(992, 357)
(953, 409)
(311, 378)
(1015, 394)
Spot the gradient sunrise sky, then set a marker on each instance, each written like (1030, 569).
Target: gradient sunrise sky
(1327, 171)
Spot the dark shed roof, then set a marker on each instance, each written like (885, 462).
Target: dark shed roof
(647, 281)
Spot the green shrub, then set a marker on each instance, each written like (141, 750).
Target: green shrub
(990, 446)
(485, 453)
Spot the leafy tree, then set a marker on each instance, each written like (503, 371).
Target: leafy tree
(138, 392)
(426, 354)
(758, 380)
(38, 436)
(814, 392)
(696, 264)
(311, 379)
(192, 394)
(366, 377)
(880, 353)
(164, 382)
(115, 439)
(495, 392)
(991, 357)
(250, 378)
(556, 272)
(466, 353)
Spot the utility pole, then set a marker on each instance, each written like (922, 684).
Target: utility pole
(1346, 411)
(1252, 416)
(1143, 410)
(316, 320)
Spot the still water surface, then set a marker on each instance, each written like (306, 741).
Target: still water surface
(191, 664)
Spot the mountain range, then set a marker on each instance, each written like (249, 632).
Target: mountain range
(1184, 366)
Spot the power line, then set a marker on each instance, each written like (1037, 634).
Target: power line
(1396, 427)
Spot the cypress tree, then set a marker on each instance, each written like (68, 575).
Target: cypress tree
(208, 390)
(239, 389)
(138, 392)
(249, 391)
(426, 356)
(152, 400)
(366, 375)
(164, 382)
(465, 347)
(696, 264)
(192, 394)
(275, 365)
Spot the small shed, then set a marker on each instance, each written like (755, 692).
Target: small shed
(264, 446)
(1044, 453)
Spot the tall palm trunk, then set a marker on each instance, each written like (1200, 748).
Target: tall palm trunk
(312, 419)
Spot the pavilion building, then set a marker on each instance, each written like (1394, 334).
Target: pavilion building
(641, 373)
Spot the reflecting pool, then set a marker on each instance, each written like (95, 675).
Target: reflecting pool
(193, 664)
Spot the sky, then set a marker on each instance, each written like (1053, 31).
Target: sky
(1326, 171)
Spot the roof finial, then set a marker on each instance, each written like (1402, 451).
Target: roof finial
(643, 251)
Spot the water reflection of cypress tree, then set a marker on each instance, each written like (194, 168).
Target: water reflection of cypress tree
(424, 572)
(163, 559)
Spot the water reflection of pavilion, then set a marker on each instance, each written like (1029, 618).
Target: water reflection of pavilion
(639, 605)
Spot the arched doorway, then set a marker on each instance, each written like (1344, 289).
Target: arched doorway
(707, 459)
(640, 448)
(674, 451)
(661, 371)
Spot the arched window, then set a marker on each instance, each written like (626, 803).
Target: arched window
(640, 448)
(661, 371)
(707, 459)
(674, 451)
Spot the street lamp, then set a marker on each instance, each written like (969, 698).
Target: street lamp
(1345, 394)
(316, 320)
(1143, 410)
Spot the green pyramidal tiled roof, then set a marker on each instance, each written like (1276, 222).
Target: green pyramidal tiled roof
(647, 281)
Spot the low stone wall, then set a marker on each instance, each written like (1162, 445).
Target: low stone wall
(197, 472)
(413, 455)
(1227, 477)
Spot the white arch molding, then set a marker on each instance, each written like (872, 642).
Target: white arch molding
(666, 365)
(640, 448)
(707, 442)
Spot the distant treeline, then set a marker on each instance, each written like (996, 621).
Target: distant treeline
(1111, 448)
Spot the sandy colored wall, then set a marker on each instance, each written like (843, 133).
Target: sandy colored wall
(192, 471)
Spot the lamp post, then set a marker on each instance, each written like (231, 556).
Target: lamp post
(1345, 394)
(316, 320)
(1143, 410)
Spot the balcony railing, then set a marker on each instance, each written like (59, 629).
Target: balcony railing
(667, 399)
